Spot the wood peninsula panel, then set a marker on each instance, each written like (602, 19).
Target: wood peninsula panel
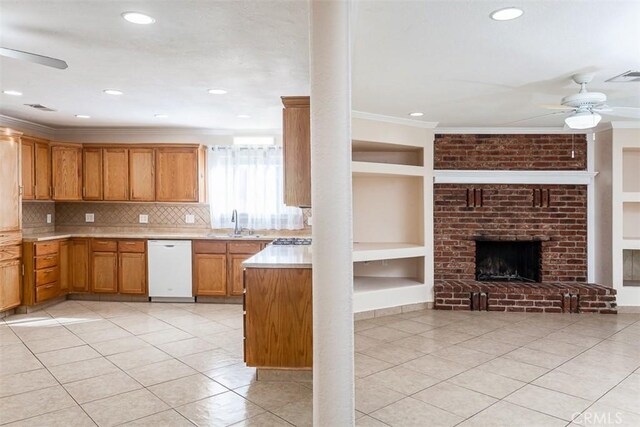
(92, 173)
(278, 322)
(66, 171)
(296, 143)
(177, 174)
(142, 185)
(115, 173)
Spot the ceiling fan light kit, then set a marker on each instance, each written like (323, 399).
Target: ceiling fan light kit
(583, 120)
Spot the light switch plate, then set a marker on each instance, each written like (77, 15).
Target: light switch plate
(89, 217)
(143, 219)
(190, 219)
(48, 218)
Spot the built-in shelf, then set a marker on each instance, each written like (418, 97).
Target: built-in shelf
(379, 251)
(372, 293)
(631, 243)
(383, 169)
(629, 196)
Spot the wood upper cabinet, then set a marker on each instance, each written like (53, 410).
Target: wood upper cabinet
(115, 173)
(66, 172)
(79, 265)
(28, 169)
(177, 174)
(210, 274)
(36, 169)
(10, 181)
(142, 185)
(104, 272)
(296, 142)
(92, 173)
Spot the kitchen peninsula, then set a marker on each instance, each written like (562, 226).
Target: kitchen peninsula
(277, 307)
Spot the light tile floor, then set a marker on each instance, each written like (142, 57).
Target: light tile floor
(85, 363)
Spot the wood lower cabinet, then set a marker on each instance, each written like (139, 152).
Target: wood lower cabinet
(236, 273)
(79, 265)
(115, 173)
(278, 318)
(66, 171)
(296, 144)
(64, 264)
(9, 284)
(104, 272)
(210, 274)
(41, 271)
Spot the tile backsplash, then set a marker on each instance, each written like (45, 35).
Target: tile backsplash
(34, 217)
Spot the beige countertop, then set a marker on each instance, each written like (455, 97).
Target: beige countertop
(281, 257)
(40, 237)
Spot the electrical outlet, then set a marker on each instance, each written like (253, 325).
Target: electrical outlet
(143, 219)
(48, 218)
(190, 219)
(310, 220)
(89, 217)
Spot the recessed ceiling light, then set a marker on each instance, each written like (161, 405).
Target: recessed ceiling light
(83, 116)
(244, 116)
(12, 92)
(160, 116)
(138, 18)
(217, 91)
(113, 92)
(506, 13)
(416, 114)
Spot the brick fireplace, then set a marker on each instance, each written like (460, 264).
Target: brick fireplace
(513, 247)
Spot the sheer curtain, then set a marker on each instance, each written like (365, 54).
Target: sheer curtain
(249, 179)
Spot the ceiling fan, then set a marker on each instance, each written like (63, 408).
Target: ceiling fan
(32, 57)
(584, 107)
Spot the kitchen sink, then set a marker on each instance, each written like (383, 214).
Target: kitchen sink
(235, 236)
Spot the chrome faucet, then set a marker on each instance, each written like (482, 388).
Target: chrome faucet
(237, 230)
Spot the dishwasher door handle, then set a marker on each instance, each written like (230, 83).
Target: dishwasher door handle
(169, 246)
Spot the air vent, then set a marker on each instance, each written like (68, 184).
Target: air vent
(39, 107)
(629, 76)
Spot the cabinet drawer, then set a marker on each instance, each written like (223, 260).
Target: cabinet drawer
(48, 291)
(45, 248)
(99, 245)
(46, 275)
(136, 246)
(46, 261)
(244, 247)
(209, 247)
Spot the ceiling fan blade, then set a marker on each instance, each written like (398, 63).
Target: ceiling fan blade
(556, 107)
(32, 57)
(536, 117)
(629, 112)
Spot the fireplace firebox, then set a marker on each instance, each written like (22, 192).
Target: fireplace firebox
(517, 261)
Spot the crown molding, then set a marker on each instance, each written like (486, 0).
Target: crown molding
(391, 119)
(506, 130)
(27, 127)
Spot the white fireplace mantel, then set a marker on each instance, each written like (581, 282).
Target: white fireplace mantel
(513, 177)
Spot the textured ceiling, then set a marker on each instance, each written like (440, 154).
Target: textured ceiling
(444, 58)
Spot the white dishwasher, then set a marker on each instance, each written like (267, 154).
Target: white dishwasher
(170, 270)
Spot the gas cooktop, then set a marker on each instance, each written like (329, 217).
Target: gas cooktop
(291, 241)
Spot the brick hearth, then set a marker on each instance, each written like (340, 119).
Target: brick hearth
(556, 297)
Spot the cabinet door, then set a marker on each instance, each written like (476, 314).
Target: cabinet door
(9, 284)
(236, 286)
(104, 272)
(92, 174)
(43, 171)
(64, 266)
(28, 171)
(177, 174)
(210, 274)
(115, 173)
(132, 273)
(10, 181)
(66, 172)
(79, 265)
(141, 174)
(297, 151)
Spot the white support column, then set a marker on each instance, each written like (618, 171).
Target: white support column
(330, 72)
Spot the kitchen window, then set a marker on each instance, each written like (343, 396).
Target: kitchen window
(250, 180)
